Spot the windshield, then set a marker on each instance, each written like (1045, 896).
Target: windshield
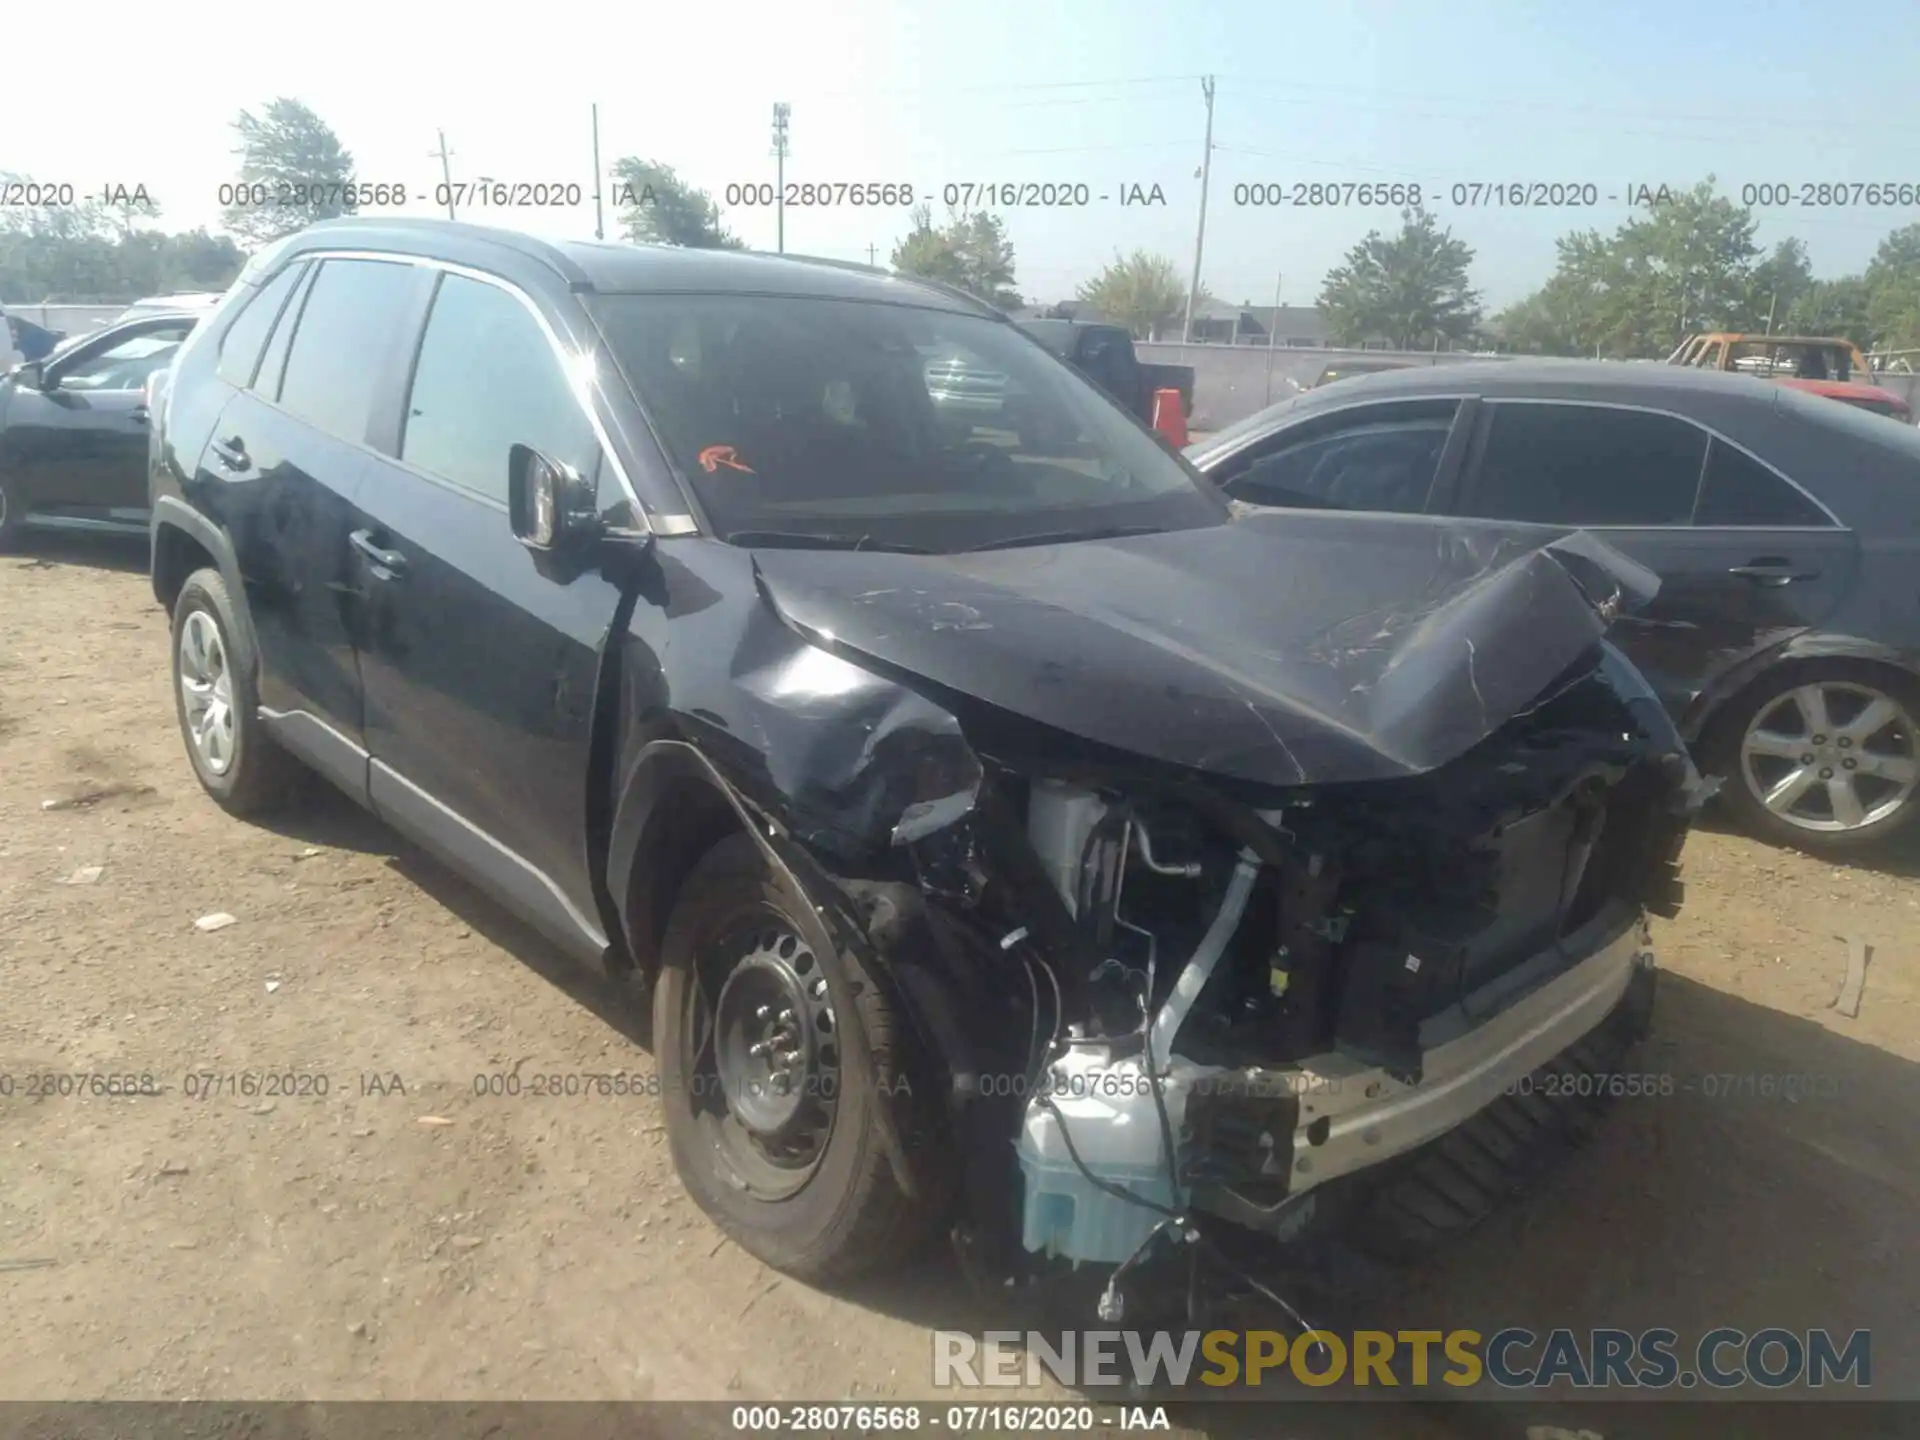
(800, 419)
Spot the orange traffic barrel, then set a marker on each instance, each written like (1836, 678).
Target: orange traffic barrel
(1170, 417)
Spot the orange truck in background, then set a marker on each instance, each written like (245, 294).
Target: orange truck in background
(1826, 365)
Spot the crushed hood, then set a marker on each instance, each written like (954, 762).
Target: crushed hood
(1281, 647)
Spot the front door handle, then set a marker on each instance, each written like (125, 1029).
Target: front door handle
(232, 453)
(138, 414)
(386, 564)
(1772, 573)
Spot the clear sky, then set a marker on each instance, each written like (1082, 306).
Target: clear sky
(1104, 92)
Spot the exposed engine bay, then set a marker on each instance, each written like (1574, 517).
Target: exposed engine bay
(1193, 995)
(1206, 917)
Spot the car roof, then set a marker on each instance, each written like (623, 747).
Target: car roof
(603, 267)
(1839, 452)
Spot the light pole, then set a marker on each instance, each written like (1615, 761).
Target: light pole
(782, 112)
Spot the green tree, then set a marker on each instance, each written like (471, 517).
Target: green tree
(287, 148)
(1688, 264)
(1832, 307)
(90, 253)
(657, 207)
(1141, 291)
(1410, 288)
(971, 251)
(1892, 284)
(1780, 282)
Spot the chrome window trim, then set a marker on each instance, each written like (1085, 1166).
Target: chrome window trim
(1705, 429)
(665, 524)
(1331, 410)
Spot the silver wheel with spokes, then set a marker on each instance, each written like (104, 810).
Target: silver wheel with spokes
(1831, 756)
(206, 692)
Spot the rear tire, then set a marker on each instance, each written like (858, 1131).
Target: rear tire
(233, 756)
(1768, 713)
(819, 1199)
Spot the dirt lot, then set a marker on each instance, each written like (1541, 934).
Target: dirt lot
(433, 1243)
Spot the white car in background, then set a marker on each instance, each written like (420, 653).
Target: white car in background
(193, 302)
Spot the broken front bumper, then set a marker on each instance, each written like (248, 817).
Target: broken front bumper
(1257, 1142)
(1354, 1116)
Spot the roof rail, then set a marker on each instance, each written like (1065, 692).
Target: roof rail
(533, 248)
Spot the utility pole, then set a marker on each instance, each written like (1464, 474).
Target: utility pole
(599, 223)
(446, 173)
(1771, 304)
(1273, 333)
(781, 114)
(1200, 238)
(871, 250)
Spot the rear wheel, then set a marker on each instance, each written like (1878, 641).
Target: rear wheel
(778, 1059)
(1825, 756)
(234, 758)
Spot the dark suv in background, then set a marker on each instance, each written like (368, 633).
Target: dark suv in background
(652, 590)
(73, 428)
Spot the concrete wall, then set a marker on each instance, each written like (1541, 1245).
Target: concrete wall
(69, 319)
(1231, 382)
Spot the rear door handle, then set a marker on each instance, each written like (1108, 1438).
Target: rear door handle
(138, 414)
(1772, 573)
(387, 564)
(232, 453)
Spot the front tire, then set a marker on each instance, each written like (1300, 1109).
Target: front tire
(778, 1057)
(1823, 755)
(233, 756)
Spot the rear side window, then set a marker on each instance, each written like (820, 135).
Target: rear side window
(273, 364)
(1739, 490)
(240, 346)
(487, 380)
(341, 343)
(1587, 465)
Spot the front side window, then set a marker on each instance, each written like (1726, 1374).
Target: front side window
(488, 380)
(340, 344)
(1587, 465)
(841, 421)
(1383, 462)
(127, 364)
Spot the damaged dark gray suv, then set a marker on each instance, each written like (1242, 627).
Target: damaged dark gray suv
(1017, 837)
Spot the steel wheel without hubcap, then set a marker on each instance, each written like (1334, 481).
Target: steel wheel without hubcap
(1831, 756)
(769, 1060)
(206, 692)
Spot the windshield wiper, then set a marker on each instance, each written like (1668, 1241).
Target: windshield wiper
(1065, 537)
(820, 540)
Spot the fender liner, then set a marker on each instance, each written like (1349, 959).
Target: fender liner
(1807, 645)
(171, 512)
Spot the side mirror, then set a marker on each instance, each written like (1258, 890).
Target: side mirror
(549, 506)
